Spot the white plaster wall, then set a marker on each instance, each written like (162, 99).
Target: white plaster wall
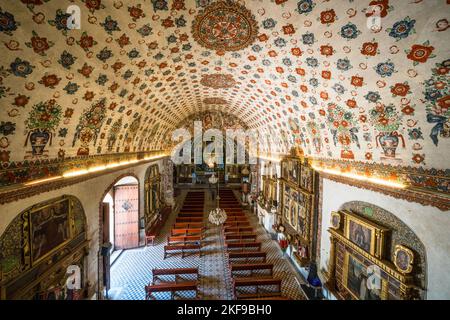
(90, 193)
(430, 224)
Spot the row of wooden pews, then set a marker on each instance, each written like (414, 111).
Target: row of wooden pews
(185, 237)
(252, 275)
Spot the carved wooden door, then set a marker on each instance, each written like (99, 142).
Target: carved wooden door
(126, 217)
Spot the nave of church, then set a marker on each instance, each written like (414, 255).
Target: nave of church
(293, 150)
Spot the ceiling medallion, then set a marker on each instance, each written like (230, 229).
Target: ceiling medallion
(218, 81)
(214, 101)
(225, 26)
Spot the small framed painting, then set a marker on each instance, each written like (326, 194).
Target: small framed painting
(403, 259)
(335, 220)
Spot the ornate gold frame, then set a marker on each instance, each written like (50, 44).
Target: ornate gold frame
(61, 245)
(336, 214)
(408, 252)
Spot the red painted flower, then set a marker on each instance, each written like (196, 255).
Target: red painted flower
(408, 110)
(444, 102)
(21, 100)
(288, 29)
(417, 158)
(326, 50)
(351, 103)
(86, 41)
(357, 81)
(328, 16)
(89, 95)
(272, 53)
(300, 71)
(33, 2)
(178, 5)
(400, 89)
(123, 40)
(369, 48)
(39, 45)
(368, 155)
(50, 81)
(382, 4)
(296, 52)
(167, 23)
(93, 4)
(136, 12)
(263, 37)
(326, 74)
(86, 70)
(117, 66)
(420, 53)
(68, 113)
(362, 118)
(4, 156)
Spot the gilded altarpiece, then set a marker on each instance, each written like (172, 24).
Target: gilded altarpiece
(37, 248)
(298, 184)
(373, 258)
(153, 199)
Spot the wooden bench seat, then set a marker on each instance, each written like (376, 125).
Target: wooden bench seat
(183, 248)
(237, 218)
(241, 236)
(189, 219)
(172, 271)
(188, 225)
(186, 232)
(238, 229)
(251, 267)
(241, 246)
(190, 214)
(257, 283)
(248, 255)
(236, 224)
(171, 287)
(183, 239)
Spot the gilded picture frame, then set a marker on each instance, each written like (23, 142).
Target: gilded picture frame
(50, 208)
(403, 259)
(335, 220)
(361, 233)
(355, 277)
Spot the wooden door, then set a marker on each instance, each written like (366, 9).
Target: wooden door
(126, 217)
(105, 220)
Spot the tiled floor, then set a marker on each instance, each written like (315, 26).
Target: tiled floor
(132, 270)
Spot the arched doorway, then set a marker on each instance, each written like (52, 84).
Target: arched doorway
(120, 207)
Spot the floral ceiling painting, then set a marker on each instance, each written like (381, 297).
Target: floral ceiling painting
(364, 81)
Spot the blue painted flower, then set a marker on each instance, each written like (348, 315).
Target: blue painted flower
(308, 38)
(60, 21)
(256, 48)
(104, 55)
(71, 88)
(314, 82)
(21, 68)
(266, 62)
(372, 96)
(269, 23)
(305, 6)
(67, 59)
(7, 128)
(127, 74)
(292, 79)
(110, 25)
(145, 30)
(158, 56)
(123, 93)
(432, 94)
(236, 55)
(133, 54)
(402, 29)
(171, 39)
(62, 132)
(160, 5)
(339, 88)
(187, 47)
(102, 79)
(149, 72)
(343, 64)
(349, 31)
(312, 62)
(287, 62)
(415, 134)
(7, 22)
(313, 100)
(180, 22)
(385, 69)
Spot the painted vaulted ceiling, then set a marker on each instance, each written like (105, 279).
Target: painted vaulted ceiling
(359, 80)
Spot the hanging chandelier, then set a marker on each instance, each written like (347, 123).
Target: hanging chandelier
(217, 216)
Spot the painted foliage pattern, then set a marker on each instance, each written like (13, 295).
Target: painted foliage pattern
(387, 87)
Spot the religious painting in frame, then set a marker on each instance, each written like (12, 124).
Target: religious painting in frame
(286, 202)
(293, 209)
(307, 178)
(335, 220)
(50, 229)
(293, 171)
(362, 282)
(304, 214)
(403, 259)
(360, 233)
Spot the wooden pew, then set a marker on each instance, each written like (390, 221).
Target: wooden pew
(186, 232)
(235, 214)
(236, 218)
(183, 239)
(190, 214)
(248, 255)
(257, 283)
(241, 236)
(170, 287)
(251, 267)
(188, 220)
(172, 271)
(238, 229)
(187, 225)
(236, 224)
(242, 246)
(183, 248)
